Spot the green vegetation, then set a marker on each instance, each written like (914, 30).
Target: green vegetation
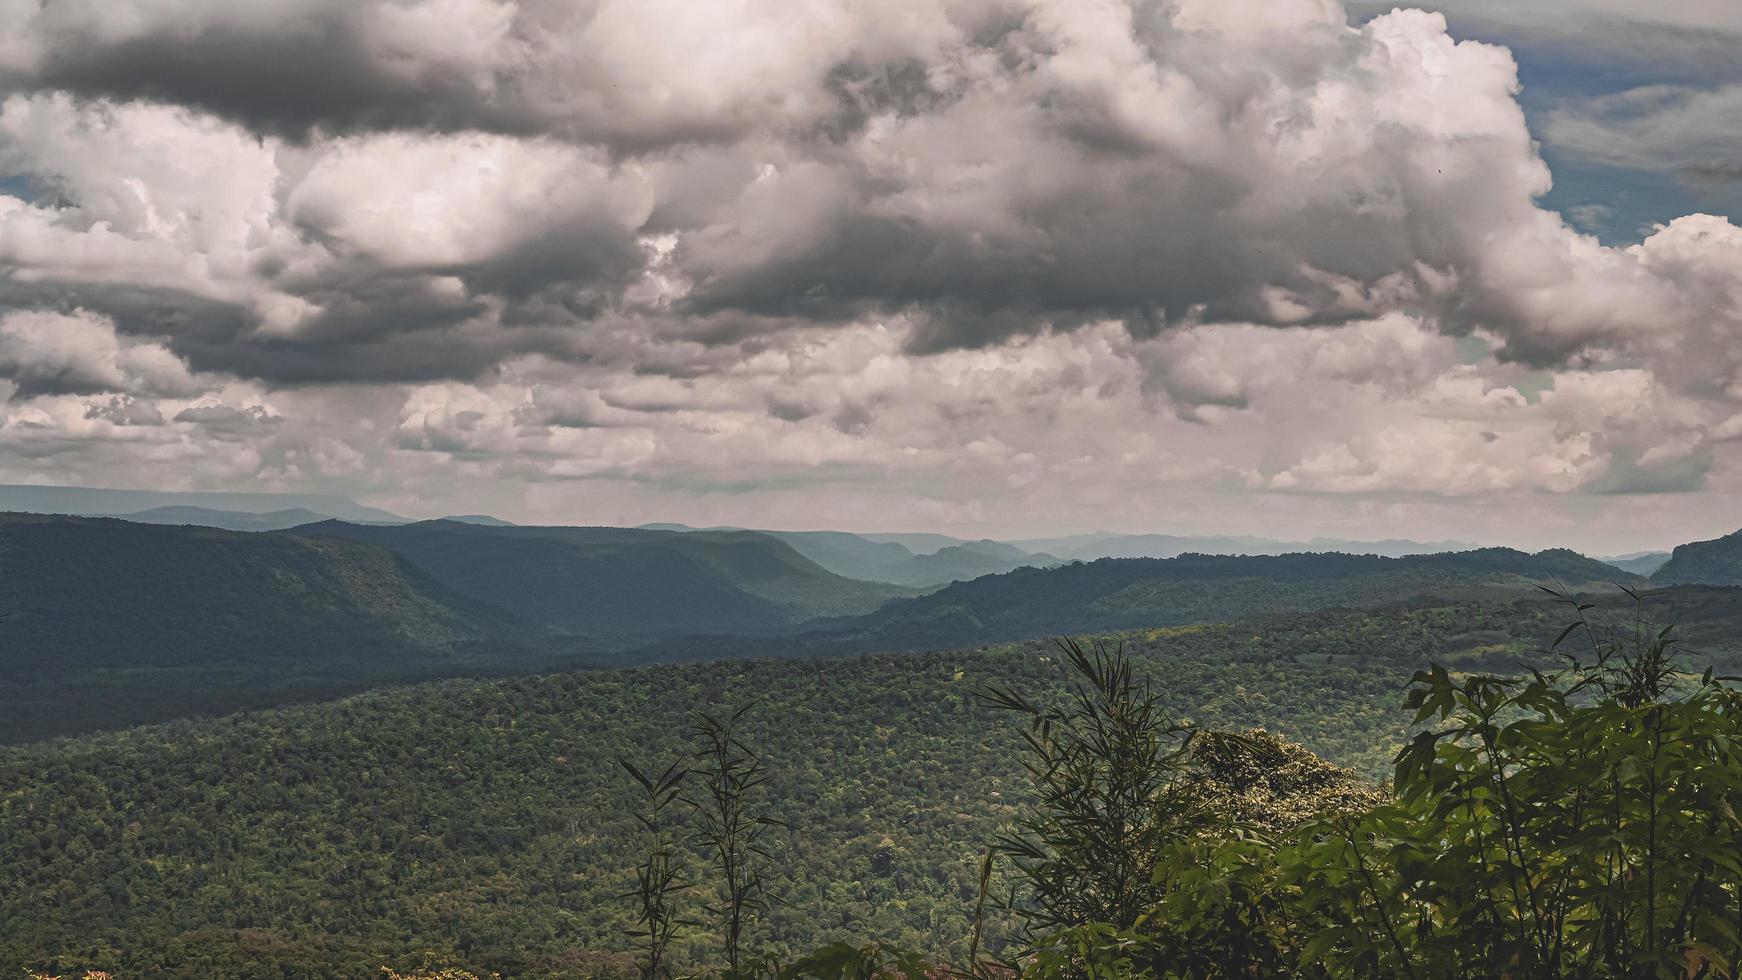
(112, 623)
(1579, 824)
(1714, 562)
(1121, 594)
(116, 623)
(489, 824)
(616, 588)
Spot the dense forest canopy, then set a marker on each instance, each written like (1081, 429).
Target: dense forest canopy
(488, 823)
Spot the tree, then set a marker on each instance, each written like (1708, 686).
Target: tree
(660, 876)
(729, 772)
(1581, 824)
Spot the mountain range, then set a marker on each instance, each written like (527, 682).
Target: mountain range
(1088, 547)
(935, 559)
(109, 622)
(1125, 593)
(613, 588)
(939, 560)
(99, 502)
(1640, 562)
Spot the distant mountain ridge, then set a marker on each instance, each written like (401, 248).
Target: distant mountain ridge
(1640, 562)
(937, 559)
(964, 562)
(1088, 547)
(873, 558)
(97, 501)
(1125, 593)
(228, 520)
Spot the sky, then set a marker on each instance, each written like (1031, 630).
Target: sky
(985, 267)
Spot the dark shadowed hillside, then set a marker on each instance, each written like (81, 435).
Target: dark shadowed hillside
(620, 586)
(1714, 562)
(110, 623)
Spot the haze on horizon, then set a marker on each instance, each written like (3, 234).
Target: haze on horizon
(1009, 268)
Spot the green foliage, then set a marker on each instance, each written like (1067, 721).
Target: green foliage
(1714, 562)
(491, 822)
(1580, 824)
(844, 961)
(487, 826)
(1106, 767)
(1128, 593)
(1150, 847)
(661, 875)
(729, 833)
(617, 588)
(116, 623)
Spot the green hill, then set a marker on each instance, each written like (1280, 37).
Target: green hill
(110, 623)
(1116, 594)
(1714, 562)
(488, 823)
(619, 587)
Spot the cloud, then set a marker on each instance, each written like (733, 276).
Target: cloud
(48, 353)
(1694, 134)
(981, 170)
(1693, 38)
(938, 259)
(590, 72)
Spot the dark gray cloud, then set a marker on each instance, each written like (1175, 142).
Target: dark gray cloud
(1004, 169)
(966, 248)
(310, 74)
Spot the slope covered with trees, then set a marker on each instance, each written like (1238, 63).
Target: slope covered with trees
(115, 623)
(618, 587)
(489, 824)
(1115, 594)
(108, 623)
(1714, 562)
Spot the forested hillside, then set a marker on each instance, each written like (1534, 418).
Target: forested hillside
(114, 623)
(1714, 562)
(1115, 594)
(109, 623)
(617, 587)
(488, 822)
